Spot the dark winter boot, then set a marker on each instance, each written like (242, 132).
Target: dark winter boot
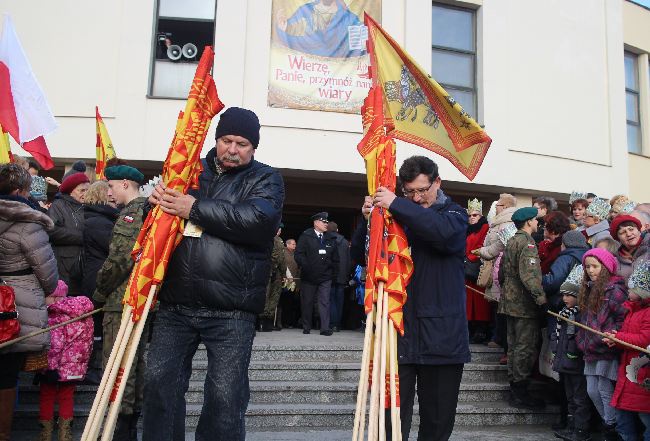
(521, 398)
(7, 400)
(65, 429)
(563, 424)
(578, 435)
(266, 325)
(123, 428)
(610, 433)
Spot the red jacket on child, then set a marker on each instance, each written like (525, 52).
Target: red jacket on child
(635, 330)
(70, 345)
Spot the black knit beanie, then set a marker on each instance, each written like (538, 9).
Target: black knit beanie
(239, 122)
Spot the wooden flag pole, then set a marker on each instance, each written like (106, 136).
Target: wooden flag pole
(382, 372)
(602, 334)
(125, 368)
(394, 410)
(51, 328)
(91, 430)
(360, 411)
(374, 396)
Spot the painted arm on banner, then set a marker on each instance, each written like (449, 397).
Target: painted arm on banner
(444, 230)
(250, 221)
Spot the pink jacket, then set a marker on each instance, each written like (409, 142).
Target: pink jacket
(70, 345)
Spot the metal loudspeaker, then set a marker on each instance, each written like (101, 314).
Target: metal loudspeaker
(189, 50)
(174, 52)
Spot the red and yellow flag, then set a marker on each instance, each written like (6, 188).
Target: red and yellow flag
(5, 148)
(418, 110)
(389, 257)
(104, 148)
(162, 232)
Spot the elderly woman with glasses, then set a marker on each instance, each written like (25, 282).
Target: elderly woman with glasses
(478, 308)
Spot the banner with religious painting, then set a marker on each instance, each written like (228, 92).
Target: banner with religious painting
(318, 56)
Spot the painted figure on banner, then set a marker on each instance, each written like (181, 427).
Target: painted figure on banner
(318, 54)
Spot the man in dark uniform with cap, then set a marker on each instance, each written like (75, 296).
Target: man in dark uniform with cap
(521, 300)
(124, 186)
(318, 259)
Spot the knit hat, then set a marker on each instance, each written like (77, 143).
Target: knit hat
(71, 182)
(77, 167)
(618, 220)
(571, 285)
(574, 239)
(507, 233)
(61, 289)
(240, 122)
(599, 207)
(524, 214)
(38, 189)
(639, 282)
(606, 258)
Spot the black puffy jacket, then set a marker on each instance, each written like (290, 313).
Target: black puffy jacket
(228, 267)
(67, 238)
(98, 228)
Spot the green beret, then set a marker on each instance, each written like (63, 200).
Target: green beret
(524, 214)
(119, 172)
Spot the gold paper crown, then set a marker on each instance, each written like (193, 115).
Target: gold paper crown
(474, 205)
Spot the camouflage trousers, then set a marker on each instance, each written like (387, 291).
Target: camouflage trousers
(273, 291)
(523, 334)
(133, 391)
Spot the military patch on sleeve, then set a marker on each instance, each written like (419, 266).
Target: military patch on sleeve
(531, 246)
(533, 261)
(128, 219)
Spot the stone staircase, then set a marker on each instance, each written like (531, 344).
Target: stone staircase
(309, 382)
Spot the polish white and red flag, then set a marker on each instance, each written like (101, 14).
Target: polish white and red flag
(24, 112)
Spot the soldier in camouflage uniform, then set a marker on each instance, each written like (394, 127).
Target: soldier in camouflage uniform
(274, 287)
(521, 299)
(112, 279)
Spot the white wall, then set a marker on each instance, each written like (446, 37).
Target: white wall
(550, 84)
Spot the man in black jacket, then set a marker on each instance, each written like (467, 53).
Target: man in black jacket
(318, 259)
(215, 285)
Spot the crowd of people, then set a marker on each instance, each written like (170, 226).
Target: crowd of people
(591, 266)
(489, 279)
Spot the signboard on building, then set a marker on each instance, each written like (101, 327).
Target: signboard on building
(318, 54)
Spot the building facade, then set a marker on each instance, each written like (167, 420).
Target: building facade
(561, 87)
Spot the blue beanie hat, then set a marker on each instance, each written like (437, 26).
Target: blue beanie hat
(239, 122)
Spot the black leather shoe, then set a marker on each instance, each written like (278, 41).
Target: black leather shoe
(326, 333)
(306, 331)
(335, 329)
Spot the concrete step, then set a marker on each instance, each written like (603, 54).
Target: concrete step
(276, 416)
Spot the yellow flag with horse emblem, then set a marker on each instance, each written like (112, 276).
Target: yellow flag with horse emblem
(419, 110)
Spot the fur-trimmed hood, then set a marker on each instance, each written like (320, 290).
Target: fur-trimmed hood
(13, 211)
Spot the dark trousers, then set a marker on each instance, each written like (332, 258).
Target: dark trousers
(578, 402)
(228, 338)
(290, 306)
(437, 388)
(336, 304)
(321, 293)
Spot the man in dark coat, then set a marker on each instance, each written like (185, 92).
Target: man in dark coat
(67, 235)
(436, 343)
(318, 259)
(215, 285)
(342, 277)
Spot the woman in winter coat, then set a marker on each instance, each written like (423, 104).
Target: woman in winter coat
(630, 399)
(634, 243)
(549, 249)
(27, 264)
(478, 308)
(493, 247)
(67, 360)
(67, 235)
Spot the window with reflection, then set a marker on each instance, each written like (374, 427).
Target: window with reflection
(453, 53)
(632, 103)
